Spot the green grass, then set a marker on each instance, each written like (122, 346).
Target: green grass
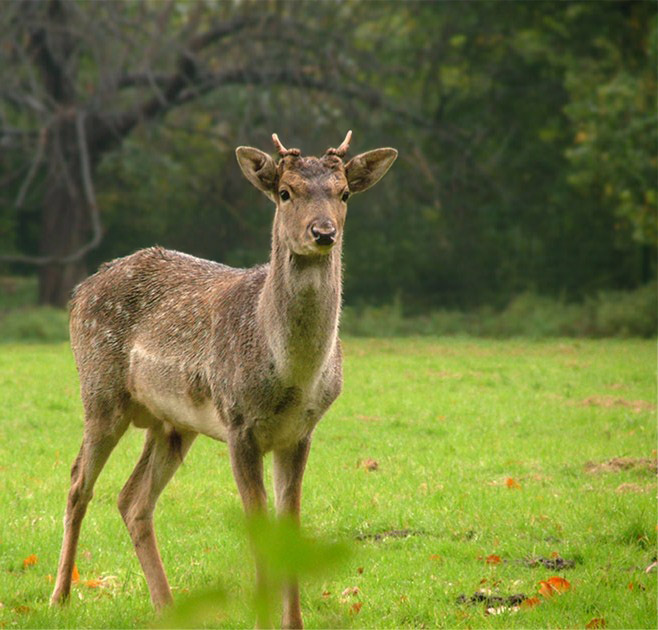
(447, 421)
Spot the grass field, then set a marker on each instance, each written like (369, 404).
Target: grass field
(484, 456)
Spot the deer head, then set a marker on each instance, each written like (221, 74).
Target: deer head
(311, 193)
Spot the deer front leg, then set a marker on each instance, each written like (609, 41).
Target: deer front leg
(289, 468)
(247, 465)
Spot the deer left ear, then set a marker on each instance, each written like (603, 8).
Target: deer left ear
(259, 168)
(366, 169)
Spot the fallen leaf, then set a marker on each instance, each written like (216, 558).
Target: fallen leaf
(93, 583)
(553, 585)
(531, 602)
(30, 561)
(75, 576)
(559, 584)
(512, 484)
(50, 578)
(597, 622)
(22, 609)
(555, 554)
(370, 464)
(360, 570)
(493, 559)
(351, 590)
(326, 594)
(356, 607)
(435, 556)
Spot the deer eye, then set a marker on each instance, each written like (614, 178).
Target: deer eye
(345, 196)
(284, 194)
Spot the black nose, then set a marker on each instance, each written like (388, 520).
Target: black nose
(324, 233)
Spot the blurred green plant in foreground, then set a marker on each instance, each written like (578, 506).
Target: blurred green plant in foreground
(284, 554)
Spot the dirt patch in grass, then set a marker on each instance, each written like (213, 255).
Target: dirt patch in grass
(556, 563)
(637, 406)
(617, 464)
(633, 488)
(492, 601)
(391, 533)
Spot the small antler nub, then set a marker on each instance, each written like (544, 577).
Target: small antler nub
(343, 148)
(283, 152)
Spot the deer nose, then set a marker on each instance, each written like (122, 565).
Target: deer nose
(324, 233)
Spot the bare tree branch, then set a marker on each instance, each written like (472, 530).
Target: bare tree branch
(90, 196)
(34, 167)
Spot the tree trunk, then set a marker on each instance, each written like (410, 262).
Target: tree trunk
(65, 217)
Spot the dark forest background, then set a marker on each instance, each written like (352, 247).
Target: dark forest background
(526, 130)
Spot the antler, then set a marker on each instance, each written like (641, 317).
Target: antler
(283, 152)
(343, 148)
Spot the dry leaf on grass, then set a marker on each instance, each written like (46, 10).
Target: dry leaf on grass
(30, 561)
(512, 484)
(553, 585)
(531, 602)
(75, 576)
(493, 559)
(93, 583)
(597, 622)
(370, 464)
(356, 607)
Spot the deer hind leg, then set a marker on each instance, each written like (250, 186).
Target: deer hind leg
(288, 468)
(162, 455)
(87, 466)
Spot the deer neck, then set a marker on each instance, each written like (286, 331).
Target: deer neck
(298, 311)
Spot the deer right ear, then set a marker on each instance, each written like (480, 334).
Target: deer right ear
(259, 168)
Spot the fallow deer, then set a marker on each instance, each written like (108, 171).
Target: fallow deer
(179, 346)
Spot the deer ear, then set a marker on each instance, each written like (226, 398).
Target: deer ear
(259, 168)
(366, 169)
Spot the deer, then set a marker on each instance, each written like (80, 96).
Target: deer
(182, 346)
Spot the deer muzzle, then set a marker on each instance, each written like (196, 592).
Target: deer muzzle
(324, 232)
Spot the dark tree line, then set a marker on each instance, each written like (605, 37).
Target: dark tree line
(527, 137)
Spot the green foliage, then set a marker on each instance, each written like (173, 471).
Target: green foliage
(607, 314)
(613, 109)
(447, 422)
(527, 137)
(17, 291)
(43, 324)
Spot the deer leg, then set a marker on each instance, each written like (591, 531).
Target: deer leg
(247, 465)
(160, 458)
(288, 468)
(86, 468)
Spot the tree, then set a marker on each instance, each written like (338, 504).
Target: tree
(78, 78)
